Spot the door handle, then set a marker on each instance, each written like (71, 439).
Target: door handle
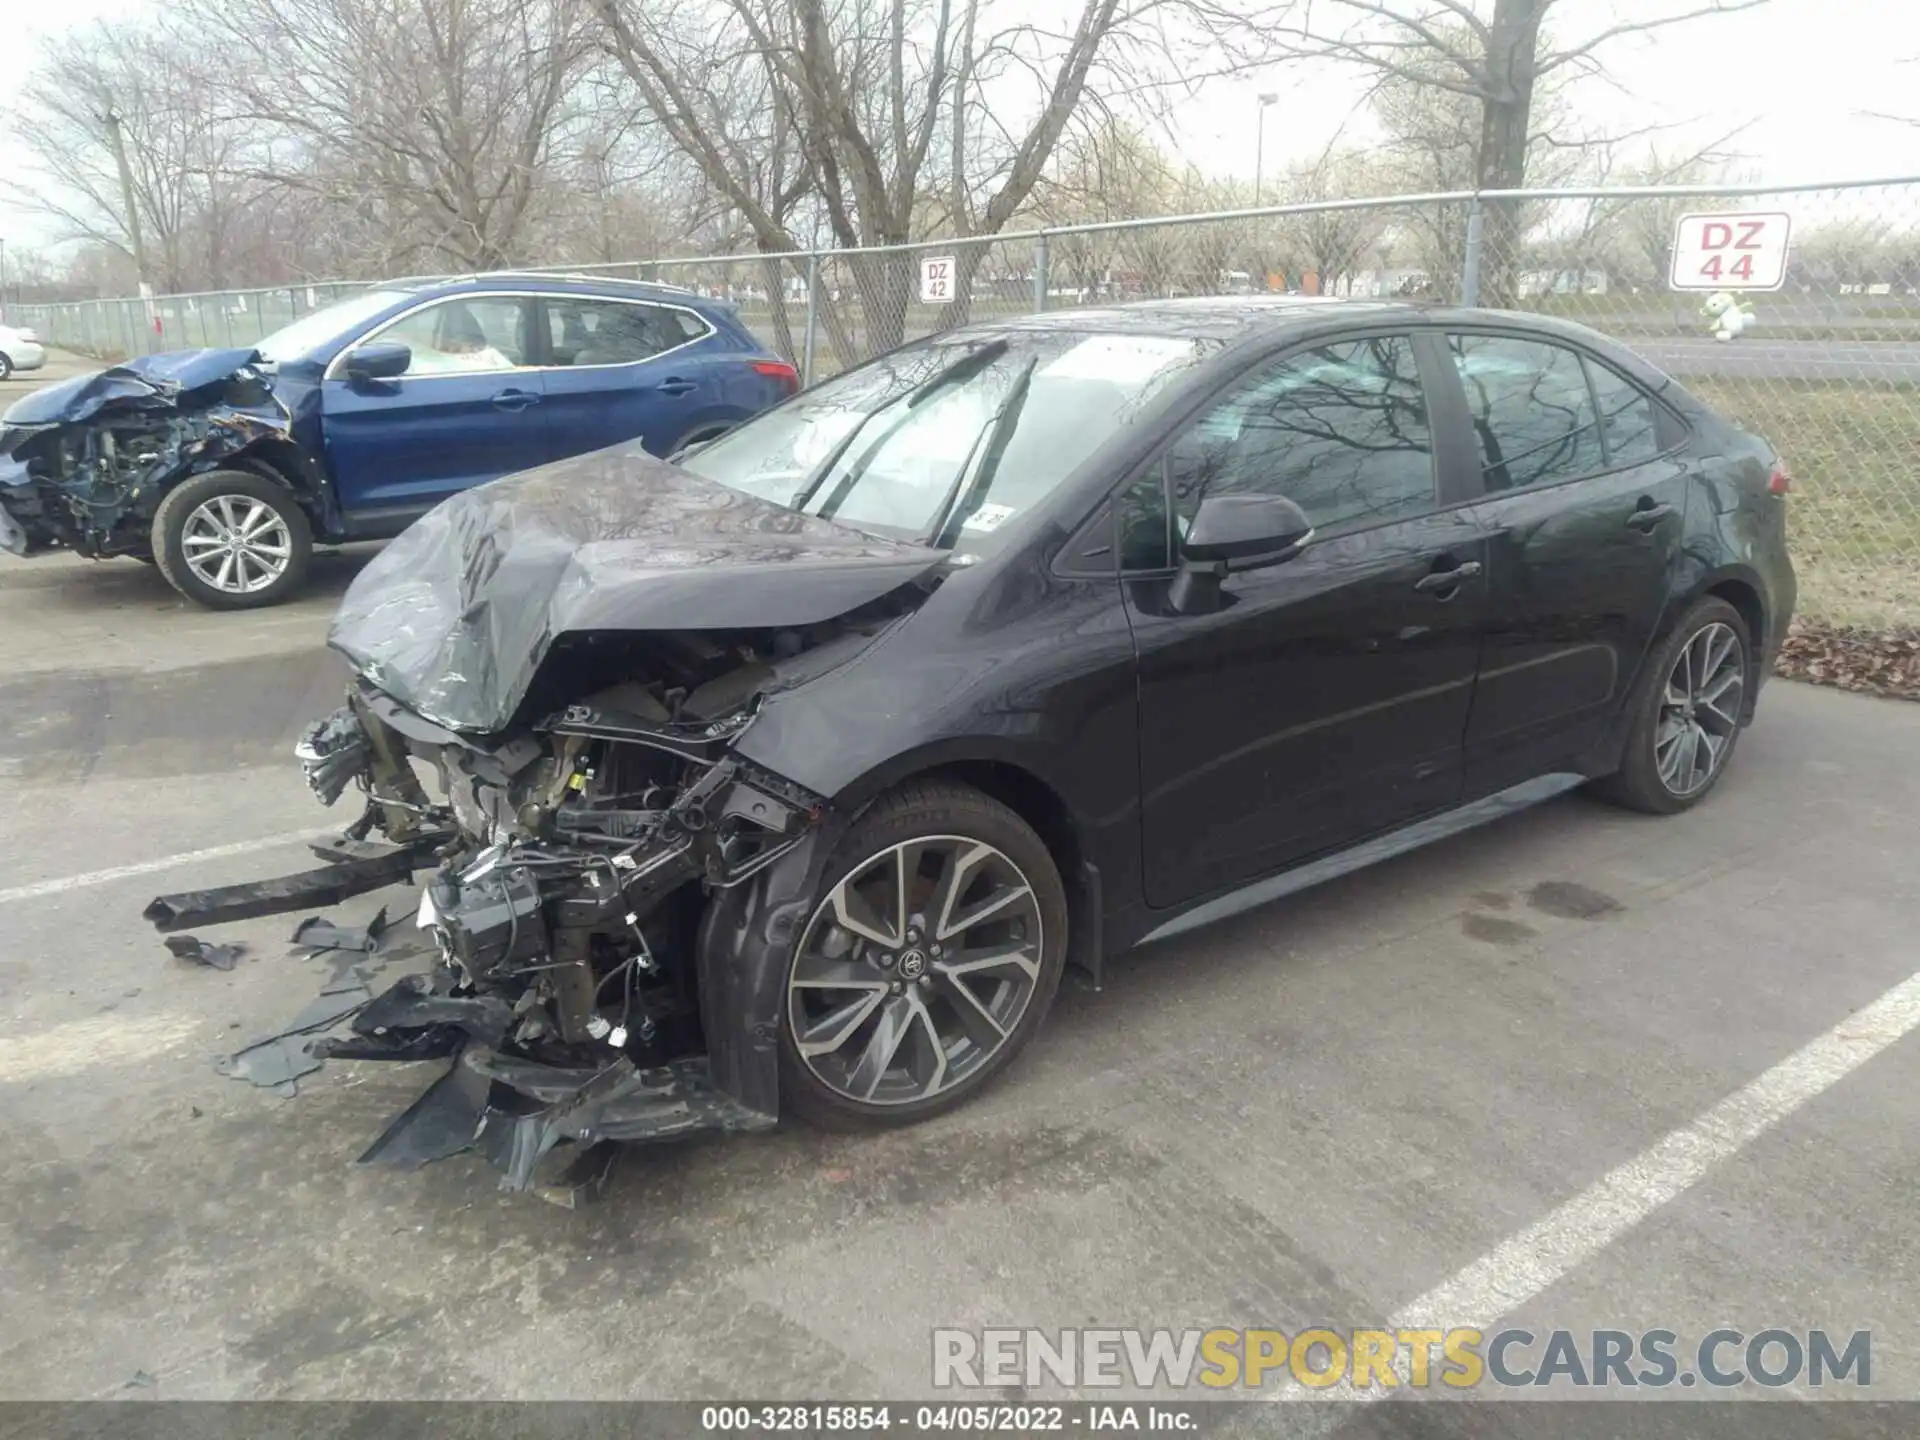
(1648, 516)
(1448, 580)
(674, 385)
(515, 399)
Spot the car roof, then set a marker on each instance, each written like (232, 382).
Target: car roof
(1225, 317)
(552, 282)
(1252, 319)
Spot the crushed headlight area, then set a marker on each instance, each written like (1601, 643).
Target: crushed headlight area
(87, 465)
(566, 872)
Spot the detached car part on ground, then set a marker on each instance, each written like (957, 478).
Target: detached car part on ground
(790, 779)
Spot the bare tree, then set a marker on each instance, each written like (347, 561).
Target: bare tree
(1106, 169)
(431, 123)
(1632, 236)
(180, 142)
(1331, 243)
(1849, 251)
(889, 103)
(1495, 56)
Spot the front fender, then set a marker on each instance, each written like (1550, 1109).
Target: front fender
(743, 950)
(828, 771)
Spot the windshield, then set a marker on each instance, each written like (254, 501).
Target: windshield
(946, 442)
(327, 323)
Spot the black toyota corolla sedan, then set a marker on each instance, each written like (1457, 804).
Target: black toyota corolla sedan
(790, 774)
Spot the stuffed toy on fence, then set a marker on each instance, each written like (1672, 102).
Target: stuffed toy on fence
(1729, 315)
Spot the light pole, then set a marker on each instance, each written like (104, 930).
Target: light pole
(1260, 143)
(1259, 165)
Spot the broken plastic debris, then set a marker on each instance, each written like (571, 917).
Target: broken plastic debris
(444, 1121)
(276, 1061)
(317, 932)
(205, 952)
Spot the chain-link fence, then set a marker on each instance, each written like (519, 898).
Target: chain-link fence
(1829, 368)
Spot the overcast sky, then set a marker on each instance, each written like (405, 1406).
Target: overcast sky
(1806, 73)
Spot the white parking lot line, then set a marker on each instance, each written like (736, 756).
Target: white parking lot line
(1527, 1264)
(165, 862)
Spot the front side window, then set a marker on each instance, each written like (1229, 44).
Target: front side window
(948, 442)
(1531, 410)
(1340, 430)
(465, 335)
(613, 332)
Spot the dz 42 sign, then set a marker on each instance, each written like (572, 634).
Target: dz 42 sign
(1730, 252)
(936, 279)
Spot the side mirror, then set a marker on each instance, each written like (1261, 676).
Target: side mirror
(380, 360)
(1235, 532)
(1245, 532)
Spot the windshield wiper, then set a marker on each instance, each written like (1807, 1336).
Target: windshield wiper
(965, 368)
(955, 507)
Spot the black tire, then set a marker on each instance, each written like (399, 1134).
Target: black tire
(1638, 783)
(6, 366)
(179, 507)
(701, 436)
(932, 811)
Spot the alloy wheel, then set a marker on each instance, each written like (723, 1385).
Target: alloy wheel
(237, 544)
(915, 970)
(1700, 709)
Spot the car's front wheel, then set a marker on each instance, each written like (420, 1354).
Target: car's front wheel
(231, 540)
(6, 366)
(929, 961)
(1685, 714)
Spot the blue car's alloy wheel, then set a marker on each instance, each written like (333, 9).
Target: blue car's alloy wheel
(232, 540)
(237, 544)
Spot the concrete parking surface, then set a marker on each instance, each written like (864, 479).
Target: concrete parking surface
(1410, 1086)
(60, 365)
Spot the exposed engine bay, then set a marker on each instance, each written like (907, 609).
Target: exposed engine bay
(89, 465)
(569, 867)
(554, 676)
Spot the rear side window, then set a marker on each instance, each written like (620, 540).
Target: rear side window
(1626, 417)
(1531, 410)
(1340, 430)
(613, 332)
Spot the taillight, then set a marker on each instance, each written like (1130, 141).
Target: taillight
(1781, 481)
(778, 370)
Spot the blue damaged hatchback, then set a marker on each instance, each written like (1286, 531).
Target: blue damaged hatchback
(223, 467)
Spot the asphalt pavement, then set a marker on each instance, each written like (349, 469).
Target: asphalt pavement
(1579, 1069)
(1764, 357)
(60, 365)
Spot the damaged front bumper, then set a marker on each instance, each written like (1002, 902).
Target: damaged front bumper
(84, 463)
(594, 894)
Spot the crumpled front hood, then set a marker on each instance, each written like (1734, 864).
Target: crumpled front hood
(148, 381)
(454, 617)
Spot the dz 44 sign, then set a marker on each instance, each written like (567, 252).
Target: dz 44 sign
(1730, 252)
